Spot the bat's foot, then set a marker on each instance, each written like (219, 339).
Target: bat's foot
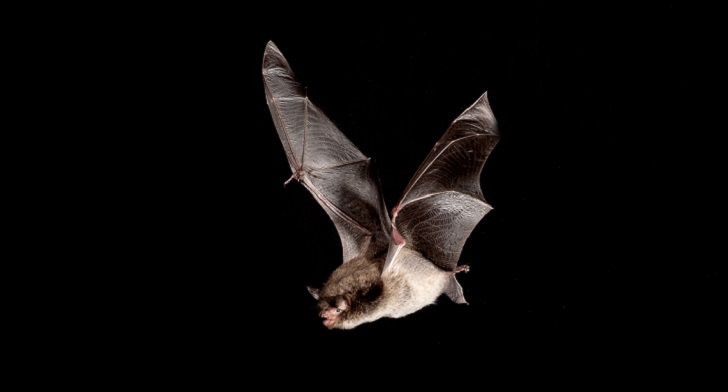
(461, 268)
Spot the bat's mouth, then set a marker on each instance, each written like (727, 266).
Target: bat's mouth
(330, 316)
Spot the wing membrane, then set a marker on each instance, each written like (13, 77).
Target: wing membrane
(328, 164)
(444, 202)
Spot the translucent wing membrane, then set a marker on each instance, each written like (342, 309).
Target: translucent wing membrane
(330, 166)
(444, 202)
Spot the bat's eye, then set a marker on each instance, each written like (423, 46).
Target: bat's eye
(338, 310)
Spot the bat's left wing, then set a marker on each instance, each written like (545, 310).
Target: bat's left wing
(443, 201)
(325, 162)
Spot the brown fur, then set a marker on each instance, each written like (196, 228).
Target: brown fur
(359, 282)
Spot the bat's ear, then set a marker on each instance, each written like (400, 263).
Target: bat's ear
(314, 291)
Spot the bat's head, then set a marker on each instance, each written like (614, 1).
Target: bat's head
(351, 295)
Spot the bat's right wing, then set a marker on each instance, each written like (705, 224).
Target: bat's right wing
(443, 201)
(324, 161)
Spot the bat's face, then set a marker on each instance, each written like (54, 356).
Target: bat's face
(351, 295)
(348, 310)
(333, 310)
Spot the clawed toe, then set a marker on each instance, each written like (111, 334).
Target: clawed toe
(462, 268)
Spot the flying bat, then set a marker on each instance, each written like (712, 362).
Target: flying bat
(393, 265)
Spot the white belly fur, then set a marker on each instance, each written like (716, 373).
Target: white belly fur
(423, 283)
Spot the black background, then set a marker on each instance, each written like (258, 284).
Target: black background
(592, 249)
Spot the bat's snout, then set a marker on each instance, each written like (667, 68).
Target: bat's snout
(330, 316)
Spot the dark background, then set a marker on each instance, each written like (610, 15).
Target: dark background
(599, 182)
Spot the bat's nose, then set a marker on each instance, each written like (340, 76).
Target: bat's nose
(329, 314)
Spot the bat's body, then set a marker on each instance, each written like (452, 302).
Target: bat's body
(392, 266)
(413, 283)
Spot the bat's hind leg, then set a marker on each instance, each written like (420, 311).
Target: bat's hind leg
(461, 268)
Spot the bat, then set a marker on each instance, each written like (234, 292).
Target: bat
(393, 265)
